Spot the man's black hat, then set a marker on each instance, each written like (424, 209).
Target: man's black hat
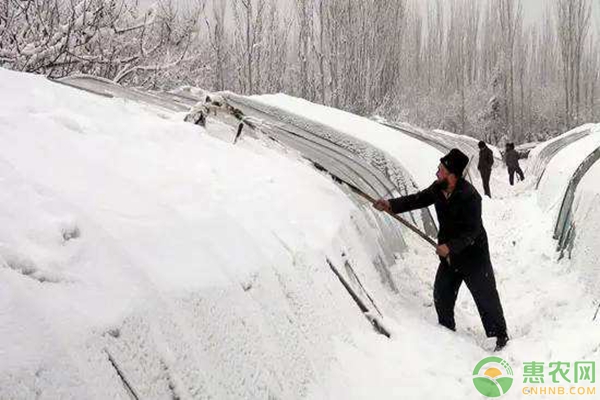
(455, 162)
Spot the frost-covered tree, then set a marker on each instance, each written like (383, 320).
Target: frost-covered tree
(102, 37)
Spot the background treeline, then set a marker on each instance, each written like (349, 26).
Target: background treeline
(467, 66)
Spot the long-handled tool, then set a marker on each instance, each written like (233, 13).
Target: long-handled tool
(404, 222)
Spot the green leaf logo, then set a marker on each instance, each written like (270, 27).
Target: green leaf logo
(492, 377)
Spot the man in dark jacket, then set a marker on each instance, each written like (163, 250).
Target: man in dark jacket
(462, 245)
(486, 160)
(512, 163)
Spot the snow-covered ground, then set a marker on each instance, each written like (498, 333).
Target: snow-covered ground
(548, 305)
(198, 266)
(133, 242)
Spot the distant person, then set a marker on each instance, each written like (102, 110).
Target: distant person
(486, 160)
(512, 163)
(462, 245)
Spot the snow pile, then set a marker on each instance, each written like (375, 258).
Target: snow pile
(561, 165)
(541, 155)
(568, 191)
(586, 220)
(142, 256)
(444, 141)
(139, 253)
(418, 158)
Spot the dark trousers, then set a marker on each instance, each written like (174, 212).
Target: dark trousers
(485, 178)
(482, 285)
(511, 174)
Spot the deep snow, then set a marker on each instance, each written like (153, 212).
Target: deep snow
(200, 269)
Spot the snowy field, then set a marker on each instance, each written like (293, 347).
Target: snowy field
(198, 266)
(136, 244)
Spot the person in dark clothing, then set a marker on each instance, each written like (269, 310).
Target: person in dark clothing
(486, 161)
(512, 163)
(462, 245)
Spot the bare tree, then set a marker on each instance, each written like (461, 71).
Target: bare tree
(274, 56)
(320, 51)
(573, 23)
(218, 38)
(305, 44)
(510, 17)
(248, 16)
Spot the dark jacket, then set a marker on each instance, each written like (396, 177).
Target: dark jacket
(461, 226)
(512, 158)
(486, 159)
